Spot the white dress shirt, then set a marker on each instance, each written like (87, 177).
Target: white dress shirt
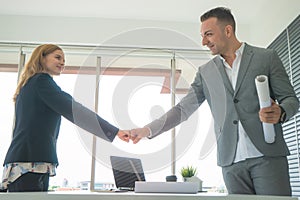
(245, 148)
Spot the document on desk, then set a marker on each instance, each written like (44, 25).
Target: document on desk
(166, 187)
(262, 87)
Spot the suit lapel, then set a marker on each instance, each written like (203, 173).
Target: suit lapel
(218, 62)
(244, 65)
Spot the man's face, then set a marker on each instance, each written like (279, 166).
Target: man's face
(213, 36)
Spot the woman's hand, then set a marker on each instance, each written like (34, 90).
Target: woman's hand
(124, 135)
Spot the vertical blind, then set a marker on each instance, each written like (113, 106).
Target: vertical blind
(287, 45)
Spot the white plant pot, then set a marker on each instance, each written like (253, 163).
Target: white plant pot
(194, 179)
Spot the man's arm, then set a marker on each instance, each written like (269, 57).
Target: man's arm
(283, 92)
(179, 113)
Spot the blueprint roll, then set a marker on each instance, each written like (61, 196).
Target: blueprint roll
(262, 87)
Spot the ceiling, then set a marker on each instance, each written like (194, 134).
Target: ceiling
(255, 13)
(163, 10)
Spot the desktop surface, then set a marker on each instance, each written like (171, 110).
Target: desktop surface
(166, 187)
(88, 195)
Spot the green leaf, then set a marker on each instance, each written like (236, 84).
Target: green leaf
(188, 171)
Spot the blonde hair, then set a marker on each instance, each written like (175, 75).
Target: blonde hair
(34, 65)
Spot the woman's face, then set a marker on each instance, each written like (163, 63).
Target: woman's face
(54, 62)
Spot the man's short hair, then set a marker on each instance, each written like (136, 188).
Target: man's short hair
(222, 14)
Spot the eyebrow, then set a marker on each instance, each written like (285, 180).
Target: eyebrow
(56, 54)
(61, 56)
(205, 33)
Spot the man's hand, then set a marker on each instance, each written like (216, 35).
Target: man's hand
(270, 114)
(137, 134)
(124, 135)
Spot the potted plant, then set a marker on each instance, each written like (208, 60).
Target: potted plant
(188, 174)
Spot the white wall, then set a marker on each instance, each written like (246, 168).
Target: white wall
(87, 30)
(133, 32)
(260, 27)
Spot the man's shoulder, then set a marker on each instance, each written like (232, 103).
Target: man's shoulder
(257, 49)
(210, 62)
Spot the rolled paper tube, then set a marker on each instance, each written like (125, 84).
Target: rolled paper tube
(262, 87)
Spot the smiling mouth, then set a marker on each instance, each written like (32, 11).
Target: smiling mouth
(210, 46)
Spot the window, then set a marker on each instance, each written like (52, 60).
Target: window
(287, 44)
(134, 89)
(9, 55)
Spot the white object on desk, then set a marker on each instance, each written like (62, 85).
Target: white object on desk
(166, 187)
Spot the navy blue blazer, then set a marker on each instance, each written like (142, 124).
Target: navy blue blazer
(39, 107)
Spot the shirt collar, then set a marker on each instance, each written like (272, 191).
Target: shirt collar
(238, 52)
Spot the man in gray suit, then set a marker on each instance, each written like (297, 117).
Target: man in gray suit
(227, 82)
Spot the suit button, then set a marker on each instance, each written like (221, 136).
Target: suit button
(235, 101)
(235, 121)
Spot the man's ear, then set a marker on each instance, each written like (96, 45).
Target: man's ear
(228, 30)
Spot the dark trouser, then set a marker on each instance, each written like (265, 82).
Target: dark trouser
(262, 176)
(30, 182)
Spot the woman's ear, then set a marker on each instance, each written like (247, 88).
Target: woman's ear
(43, 63)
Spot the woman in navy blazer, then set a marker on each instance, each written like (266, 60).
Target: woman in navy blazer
(39, 105)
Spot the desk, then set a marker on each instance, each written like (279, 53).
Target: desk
(80, 195)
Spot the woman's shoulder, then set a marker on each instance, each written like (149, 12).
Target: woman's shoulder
(42, 80)
(41, 75)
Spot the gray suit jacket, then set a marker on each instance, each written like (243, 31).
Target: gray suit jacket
(229, 106)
